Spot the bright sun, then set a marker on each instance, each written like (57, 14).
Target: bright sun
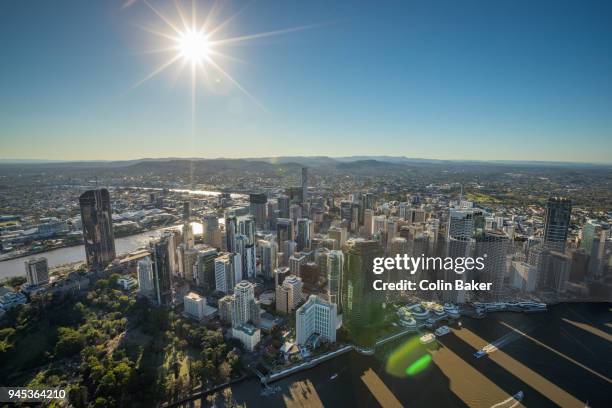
(194, 46)
(199, 46)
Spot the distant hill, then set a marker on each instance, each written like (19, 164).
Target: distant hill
(265, 164)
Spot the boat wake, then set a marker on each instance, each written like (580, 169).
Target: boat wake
(511, 402)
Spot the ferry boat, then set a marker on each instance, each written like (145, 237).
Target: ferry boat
(427, 338)
(442, 330)
(452, 310)
(532, 306)
(488, 349)
(438, 310)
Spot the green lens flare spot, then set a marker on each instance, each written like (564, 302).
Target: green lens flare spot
(419, 365)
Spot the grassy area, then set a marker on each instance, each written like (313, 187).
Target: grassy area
(482, 198)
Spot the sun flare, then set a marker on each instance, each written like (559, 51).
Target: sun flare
(201, 44)
(193, 46)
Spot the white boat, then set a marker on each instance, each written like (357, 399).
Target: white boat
(488, 349)
(442, 330)
(427, 338)
(334, 376)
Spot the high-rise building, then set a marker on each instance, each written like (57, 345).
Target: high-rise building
(368, 222)
(346, 211)
(283, 206)
(492, 246)
(295, 212)
(310, 273)
(37, 271)
(247, 228)
(258, 208)
(186, 210)
(227, 310)
(335, 261)
(304, 184)
(244, 291)
(247, 257)
(556, 223)
(558, 271)
(415, 215)
(228, 272)
(146, 285)
(295, 263)
(204, 268)
(188, 237)
(211, 233)
(590, 230)
(523, 276)
(231, 230)
(289, 294)
(338, 234)
(361, 304)
(194, 305)
(461, 223)
(288, 251)
(251, 261)
(280, 274)
(295, 195)
(162, 274)
(580, 265)
(367, 201)
(379, 225)
(284, 230)
(302, 237)
(459, 244)
(97, 220)
(316, 316)
(392, 228)
(269, 251)
(248, 335)
(398, 246)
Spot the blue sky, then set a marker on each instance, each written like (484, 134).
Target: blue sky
(524, 80)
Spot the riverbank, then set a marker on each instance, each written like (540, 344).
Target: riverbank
(76, 253)
(52, 247)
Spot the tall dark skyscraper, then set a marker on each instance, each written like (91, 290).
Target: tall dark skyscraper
(284, 230)
(162, 271)
(231, 229)
(97, 228)
(361, 304)
(556, 223)
(493, 246)
(304, 184)
(283, 206)
(258, 208)
(186, 210)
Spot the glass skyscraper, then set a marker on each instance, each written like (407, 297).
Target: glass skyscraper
(98, 233)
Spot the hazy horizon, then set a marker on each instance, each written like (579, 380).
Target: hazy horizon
(308, 157)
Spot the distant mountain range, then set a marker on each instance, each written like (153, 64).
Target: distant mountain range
(347, 162)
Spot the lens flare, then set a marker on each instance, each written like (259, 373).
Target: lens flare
(421, 364)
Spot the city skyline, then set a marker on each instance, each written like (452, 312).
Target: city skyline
(457, 82)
